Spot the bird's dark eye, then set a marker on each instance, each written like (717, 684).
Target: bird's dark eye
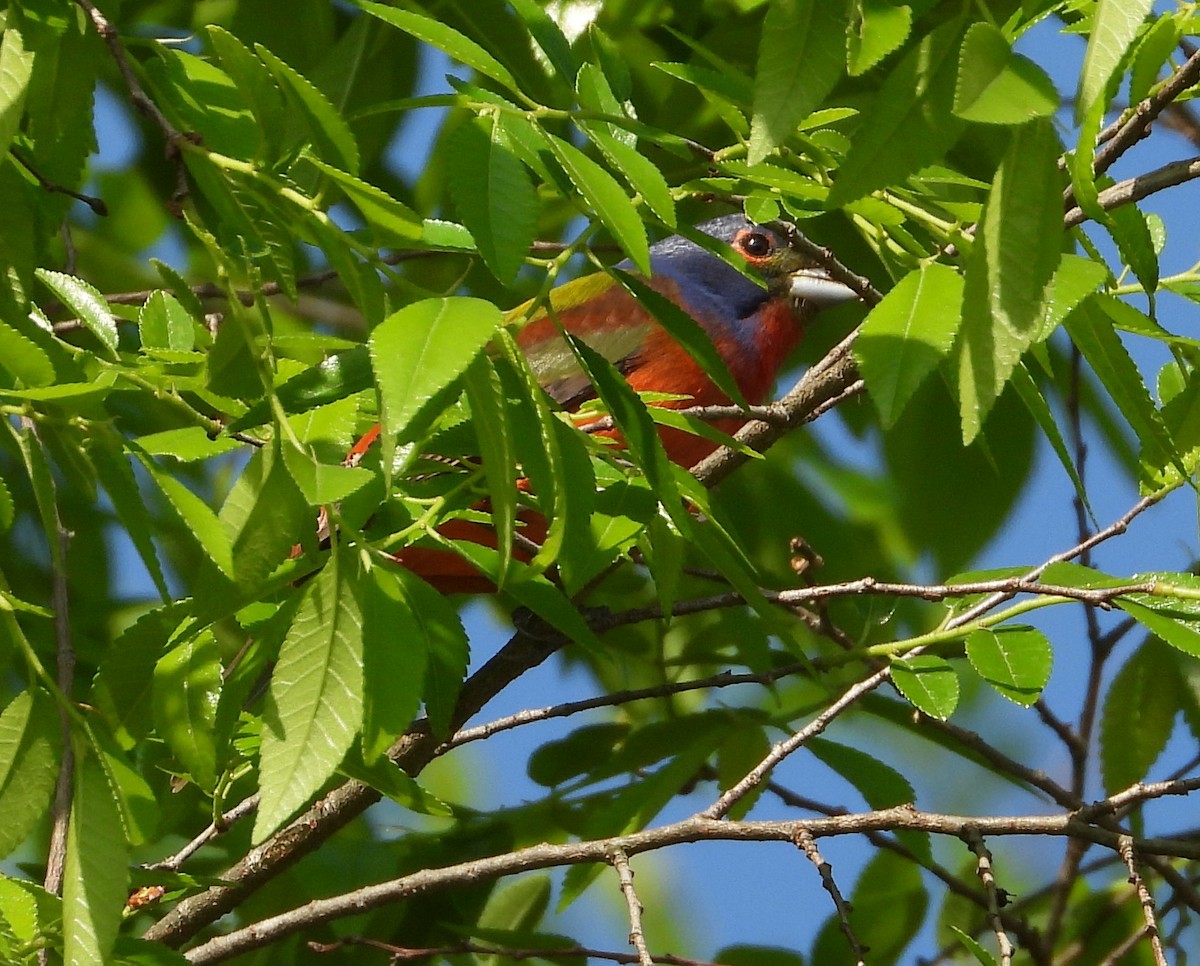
(757, 245)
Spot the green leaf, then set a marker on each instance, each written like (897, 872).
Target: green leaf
(489, 416)
(1093, 334)
(929, 683)
(323, 483)
(116, 476)
(1009, 270)
(335, 378)
(188, 444)
(1031, 396)
(96, 874)
(197, 518)
(493, 194)
(909, 123)
(86, 302)
(30, 745)
(876, 28)
(395, 222)
(420, 351)
(165, 324)
(1016, 661)
(24, 358)
(607, 199)
(906, 336)
(314, 704)
(745, 955)
(631, 417)
(123, 685)
(396, 648)
(445, 38)
(1173, 618)
(263, 516)
(584, 749)
(433, 624)
(549, 37)
(638, 171)
(1114, 28)
(797, 68)
(998, 86)
(187, 685)
(1138, 716)
(16, 68)
(331, 136)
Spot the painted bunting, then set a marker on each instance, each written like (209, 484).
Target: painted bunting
(753, 327)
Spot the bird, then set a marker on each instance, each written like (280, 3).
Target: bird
(753, 327)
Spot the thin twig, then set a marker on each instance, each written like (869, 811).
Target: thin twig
(1137, 125)
(1135, 189)
(173, 863)
(808, 845)
(995, 896)
(1126, 848)
(399, 954)
(96, 204)
(637, 935)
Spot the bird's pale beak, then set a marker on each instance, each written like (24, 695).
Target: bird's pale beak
(814, 286)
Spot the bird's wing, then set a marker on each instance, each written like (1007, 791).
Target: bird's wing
(600, 312)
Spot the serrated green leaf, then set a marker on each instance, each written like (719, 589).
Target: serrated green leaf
(998, 86)
(1093, 334)
(188, 444)
(16, 68)
(909, 123)
(123, 684)
(86, 302)
(396, 647)
(607, 199)
(420, 351)
(907, 335)
(395, 221)
(1016, 661)
(30, 745)
(638, 171)
(196, 516)
(1138, 716)
(489, 416)
(875, 29)
(96, 873)
(262, 515)
(797, 68)
(314, 704)
(1033, 400)
(331, 135)
(929, 683)
(493, 194)
(549, 37)
(163, 323)
(1174, 620)
(433, 622)
(1114, 28)
(445, 38)
(187, 685)
(323, 483)
(1010, 268)
(24, 358)
(116, 476)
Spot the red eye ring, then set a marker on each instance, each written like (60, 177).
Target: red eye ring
(756, 244)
